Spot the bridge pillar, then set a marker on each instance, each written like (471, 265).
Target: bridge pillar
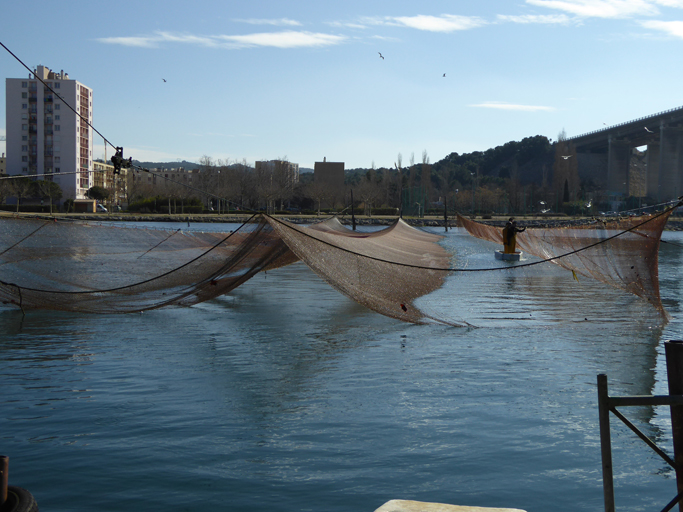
(618, 161)
(670, 162)
(652, 163)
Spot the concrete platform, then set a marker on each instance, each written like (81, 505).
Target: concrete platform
(421, 506)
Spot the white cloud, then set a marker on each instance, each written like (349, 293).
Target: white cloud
(604, 8)
(443, 23)
(673, 28)
(286, 39)
(342, 24)
(290, 39)
(276, 22)
(670, 3)
(512, 106)
(142, 42)
(547, 19)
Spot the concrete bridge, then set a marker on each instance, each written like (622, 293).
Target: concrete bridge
(604, 155)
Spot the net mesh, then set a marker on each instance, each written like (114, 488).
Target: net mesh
(399, 271)
(621, 252)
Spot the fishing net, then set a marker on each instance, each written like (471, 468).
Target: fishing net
(622, 252)
(95, 268)
(99, 268)
(398, 271)
(386, 271)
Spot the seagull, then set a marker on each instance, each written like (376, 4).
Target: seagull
(648, 130)
(444, 75)
(605, 124)
(164, 79)
(381, 56)
(589, 204)
(566, 157)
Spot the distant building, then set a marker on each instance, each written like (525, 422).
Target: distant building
(44, 136)
(287, 171)
(329, 174)
(3, 165)
(103, 176)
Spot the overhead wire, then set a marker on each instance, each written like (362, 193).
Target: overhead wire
(87, 121)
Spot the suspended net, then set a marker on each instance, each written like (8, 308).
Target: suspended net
(101, 268)
(623, 253)
(399, 271)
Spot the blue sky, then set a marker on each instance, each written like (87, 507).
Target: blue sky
(304, 79)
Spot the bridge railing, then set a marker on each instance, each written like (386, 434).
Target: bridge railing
(627, 122)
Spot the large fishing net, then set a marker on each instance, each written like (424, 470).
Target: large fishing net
(105, 268)
(621, 252)
(399, 271)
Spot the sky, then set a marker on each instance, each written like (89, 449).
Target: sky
(358, 82)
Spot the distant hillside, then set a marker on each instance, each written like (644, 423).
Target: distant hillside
(167, 165)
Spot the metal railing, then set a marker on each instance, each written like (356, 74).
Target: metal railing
(607, 404)
(625, 123)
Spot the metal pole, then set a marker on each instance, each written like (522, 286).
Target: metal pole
(605, 443)
(674, 370)
(4, 470)
(353, 215)
(445, 213)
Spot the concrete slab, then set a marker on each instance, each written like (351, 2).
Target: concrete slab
(421, 506)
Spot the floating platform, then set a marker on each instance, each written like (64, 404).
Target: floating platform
(421, 506)
(508, 256)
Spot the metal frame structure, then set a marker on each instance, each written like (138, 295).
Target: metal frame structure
(607, 404)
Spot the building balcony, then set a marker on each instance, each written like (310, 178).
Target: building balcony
(48, 99)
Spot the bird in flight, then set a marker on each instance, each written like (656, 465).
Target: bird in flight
(566, 157)
(444, 75)
(381, 56)
(648, 130)
(164, 79)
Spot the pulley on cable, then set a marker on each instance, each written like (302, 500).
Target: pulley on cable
(120, 162)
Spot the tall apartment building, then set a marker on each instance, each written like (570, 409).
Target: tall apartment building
(44, 135)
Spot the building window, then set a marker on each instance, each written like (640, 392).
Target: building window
(57, 85)
(57, 169)
(24, 158)
(56, 127)
(56, 106)
(57, 160)
(24, 137)
(24, 95)
(24, 127)
(57, 117)
(24, 169)
(24, 105)
(24, 84)
(24, 148)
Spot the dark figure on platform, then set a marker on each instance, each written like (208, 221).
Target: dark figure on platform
(510, 236)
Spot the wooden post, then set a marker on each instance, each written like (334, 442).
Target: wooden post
(445, 213)
(674, 370)
(605, 443)
(4, 470)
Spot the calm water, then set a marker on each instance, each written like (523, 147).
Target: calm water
(286, 396)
